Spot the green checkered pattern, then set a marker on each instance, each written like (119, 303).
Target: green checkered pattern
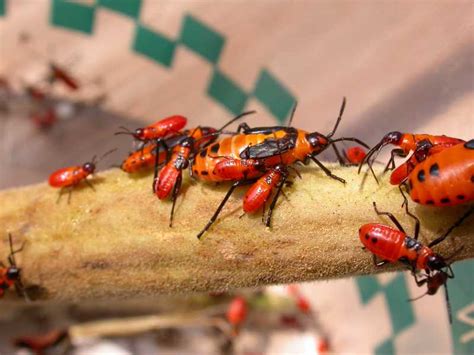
(400, 311)
(196, 36)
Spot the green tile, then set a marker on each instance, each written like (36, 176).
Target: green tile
(154, 46)
(461, 296)
(3, 7)
(127, 7)
(226, 92)
(386, 348)
(400, 309)
(368, 287)
(73, 16)
(201, 39)
(272, 94)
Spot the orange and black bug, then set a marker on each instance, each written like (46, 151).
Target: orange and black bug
(161, 129)
(10, 275)
(142, 159)
(406, 143)
(168, 181)
(354, 155)
(60, 74)
(247, 156)
(445, 178)
(71, 176)
(394, 245)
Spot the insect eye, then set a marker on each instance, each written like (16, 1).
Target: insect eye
(138, 132)
(13, 273)
(393, 137)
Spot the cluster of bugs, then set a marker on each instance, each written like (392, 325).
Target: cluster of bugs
(439, 172)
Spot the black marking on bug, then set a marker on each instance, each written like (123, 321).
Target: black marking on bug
(367, 236)
(204, 172)
(416, 200)
(215, 148)
(421, 175)
(374, 240)
(445, 200)
(203, 153)
(410, 242)
(469, 144)
(472, 178)
(434, 169)
(460, 197)
(429, 202)
(195, 172)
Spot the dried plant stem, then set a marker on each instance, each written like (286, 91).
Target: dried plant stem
(116, 243)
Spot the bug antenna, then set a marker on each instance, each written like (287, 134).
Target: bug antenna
(417, 298)
(236, 118)
(125, 131)
(11, 257)
(292, 114)
(448, 304)
(105, 154)
(341, 111)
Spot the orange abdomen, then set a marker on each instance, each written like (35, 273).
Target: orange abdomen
(260, 191)
(383, 241)
(446, 178)
(67, 176)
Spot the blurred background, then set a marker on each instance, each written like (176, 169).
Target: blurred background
(404, 66)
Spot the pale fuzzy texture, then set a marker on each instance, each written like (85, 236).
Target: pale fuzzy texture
(116, 243)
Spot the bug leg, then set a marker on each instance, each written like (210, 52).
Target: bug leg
(243, 127)
(219, 209)
(69, 195)
(377, 262)
(456, 224)
(274, 201)
(420, 282)
(417, 221)
(326, 170)
(89, 184)
(159, 142)
(391, 163)
(174, 196)
(339, 157)
(263, 212)
(60, 194)
(389, 215)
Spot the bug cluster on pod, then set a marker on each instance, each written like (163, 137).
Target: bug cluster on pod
(439, 172)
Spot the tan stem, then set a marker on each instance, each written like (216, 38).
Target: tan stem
(116, 243)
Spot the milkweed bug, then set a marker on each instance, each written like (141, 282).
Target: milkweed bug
(406, 143)
(10, 275)
(71, 176)
(237, 313)
(161, 129)
(249, 155)
(445, 178)
(354, 155)
(167, 182)
(392, 245)
(58, 73)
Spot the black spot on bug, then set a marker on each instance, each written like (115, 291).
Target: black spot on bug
(204, 172)
(429, 202)
(202, 154)
(215, 148)
(472, 178)
(469, 144)
(367, 236)
(194, 162)
(460, 197)
(445, 200)
(434, 170)
(196, 172)
(374, 240)
(421, 175)
(410, 242)
(416, 200)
